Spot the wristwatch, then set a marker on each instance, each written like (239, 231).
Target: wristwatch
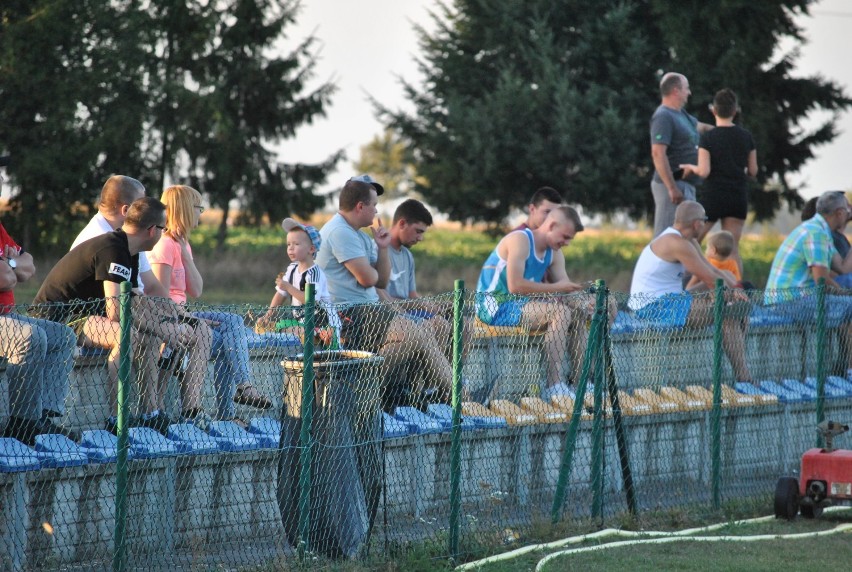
(12, 262)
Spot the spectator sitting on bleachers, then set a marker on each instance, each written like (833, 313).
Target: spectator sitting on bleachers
(355, 265)
(805, 256)
(517, 266)
(83, 290)
(719, 253)
(544, 200)
(303, 243)
(117, 194)
(841, 272)
(40, 355)
(657, 293)
(411, 220)
(172, 263)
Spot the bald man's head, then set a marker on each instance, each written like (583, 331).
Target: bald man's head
(688, 212)
(119, 191)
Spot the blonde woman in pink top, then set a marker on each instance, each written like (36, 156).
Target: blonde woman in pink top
(173, 264)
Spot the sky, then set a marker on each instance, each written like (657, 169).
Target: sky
(373, 61)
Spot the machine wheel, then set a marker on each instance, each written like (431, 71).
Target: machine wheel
(787, 498)
(811, 511)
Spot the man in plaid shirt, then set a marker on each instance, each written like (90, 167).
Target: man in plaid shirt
(805, 256)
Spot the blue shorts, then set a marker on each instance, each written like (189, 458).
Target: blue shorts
(667, 310)
(507, 313)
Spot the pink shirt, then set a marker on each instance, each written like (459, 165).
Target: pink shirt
(167, 251)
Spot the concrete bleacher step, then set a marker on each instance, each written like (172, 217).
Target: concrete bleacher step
(686, 402)
(267, 430)
(703, 394)
(736, 398)
(632, 406)
(760, 397)
(419, 421)
(444, 413)
(393, 427)
(566, 403)
(16, 457)
(190, 439)
(481, 415)
(657, 402)
(799, 387)
(784, 394)
(545, 412)
(100, 446)
(56, 451)
(832, 388)
(233, 437)
(147, 443)
(513, 414)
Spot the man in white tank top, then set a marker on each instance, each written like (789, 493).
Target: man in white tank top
(657, 289)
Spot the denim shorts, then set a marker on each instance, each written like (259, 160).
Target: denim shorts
(668, 310)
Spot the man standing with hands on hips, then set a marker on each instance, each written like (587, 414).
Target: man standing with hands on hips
(674, 141)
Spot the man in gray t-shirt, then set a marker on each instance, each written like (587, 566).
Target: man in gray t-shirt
(674, 141)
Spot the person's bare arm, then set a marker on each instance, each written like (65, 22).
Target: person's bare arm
(664, 170)
(383, 263)
(702, 169)
(8, 279)
(695, 263)
(25, 268)
(194, 281)
(153, 287)
(163, 275)
(363, 271)
(818, 272)
(515, 250)
(704, 127)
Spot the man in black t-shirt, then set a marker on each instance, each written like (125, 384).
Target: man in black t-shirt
(87, 281)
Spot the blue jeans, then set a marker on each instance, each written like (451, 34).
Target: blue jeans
(230, 358)
(40, 356)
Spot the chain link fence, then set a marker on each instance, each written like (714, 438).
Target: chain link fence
(445, 427)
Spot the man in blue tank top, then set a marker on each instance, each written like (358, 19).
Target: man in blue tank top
(516, 268)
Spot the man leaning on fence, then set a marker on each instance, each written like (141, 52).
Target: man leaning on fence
(516, 267)
(39, 355)
(657, 293)
(805, 256)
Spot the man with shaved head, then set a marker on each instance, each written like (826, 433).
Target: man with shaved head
(674, 141)
(657, 290)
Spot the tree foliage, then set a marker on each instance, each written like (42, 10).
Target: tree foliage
(162, 90)
(389, 159)
(523, 93)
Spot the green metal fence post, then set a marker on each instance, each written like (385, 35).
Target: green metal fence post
(716, 411)
(305, 441)
(618, 420)
(455, 447)
(598, 419)
(119, 556)
(592, 352)
(821, 341)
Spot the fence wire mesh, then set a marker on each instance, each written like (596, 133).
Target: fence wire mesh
(243, 452)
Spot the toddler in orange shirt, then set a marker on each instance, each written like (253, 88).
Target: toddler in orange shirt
(720, 245)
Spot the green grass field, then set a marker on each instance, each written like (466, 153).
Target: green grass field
(243, 273)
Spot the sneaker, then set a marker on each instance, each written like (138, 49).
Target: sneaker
(158, 421)
(196, 416)
(25, 430)
(111, 423)
(249, 395)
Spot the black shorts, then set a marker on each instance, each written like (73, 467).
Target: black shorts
(365, 326)
(721, 204)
